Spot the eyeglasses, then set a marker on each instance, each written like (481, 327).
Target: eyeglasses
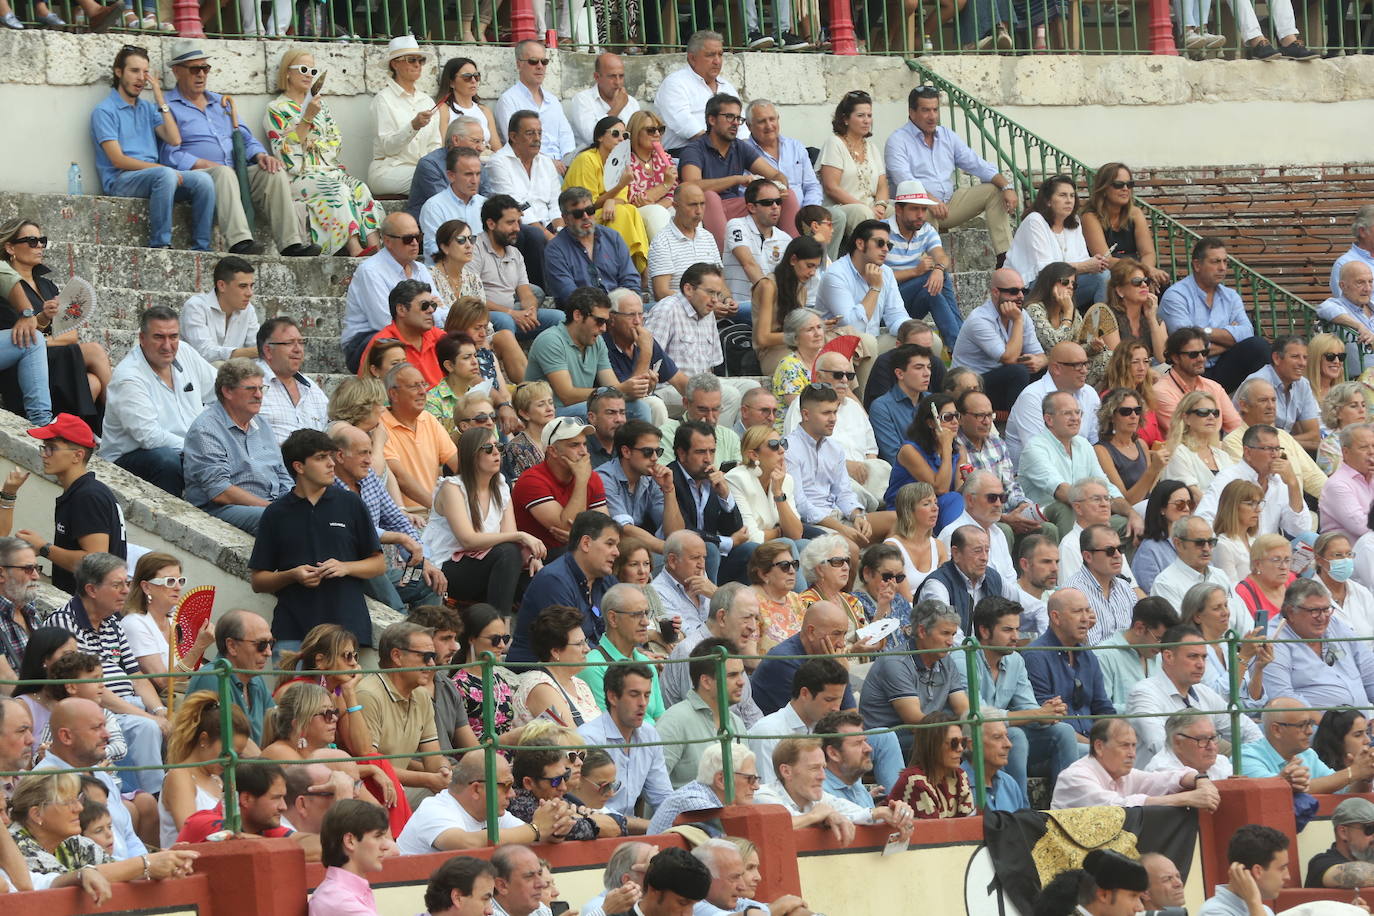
(769, 202)
(29, 569)
(427, 658)
(632, 316)
(427, 305)
(200, 69)
(1082, 364)
(786, 565)
(50, 448)
(1202, 740)
(633, 615)
(996, 498)
(410, 238)
(1013, 290)
(411, 59)
(555, 781)
(777, 445)
(1192, 354)
(1368, 829)
(893, 577)
(464, 239)
(297, 342)
(655, 129)
(949, 417)
(753, 779)
(987, 415)
(1208, 542)
(536, 61)
(580, 212)
(1307, 725)
(500, 639)
(1322, 611)
(1204, 411)
(303, 70)
(1069, 282)
(600, 321)
(730, 118)
(1265, 448)
(838, 374)
(33, 241)
(1182, 504)
(1330, 358)
(649, 451)
(1122, 185)
(261, 645)
(252, 389)
(1124, 411)
(471, 76)
(329, 715)
(349, 656)
(836, 562)
(1111, 550)
(168, 581)
(1282, 562)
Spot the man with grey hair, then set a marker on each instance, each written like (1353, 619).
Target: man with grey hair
(1264, 462)
(527, 94)
(622, 879)
(1068, 372)
(682, 96)
(1350, 307)
(606, 97)
(586, 253)
(1286, 750)
(92, 617)
(904, 689)
(625, 608)
(1003, 792)
(398, 707)
(245, 640)
(984, 496)
(1333, 669)
(707, 791)
(1257, 403)
(1107, 776)
(683, 586)
(431, 173)
(1090, 500)
(734, 615)
(19, 577)
(758, 407)
(1194, 543)
(706, 400)
(1361, 252)
(231, 459)
(17, 741)
(1348, 494)
(726, 865)
(785, 154)
(456, 818)
(417, 446)
(1191, 740)
(966, 578)
(634, 354)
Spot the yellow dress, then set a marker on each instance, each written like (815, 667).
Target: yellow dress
(586, 171)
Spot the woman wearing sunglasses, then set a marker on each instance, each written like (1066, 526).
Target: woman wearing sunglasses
(828, 564)
(931, 454)
(1126, 461)
(881, 577)
(1195, 451)
(1169, 501)
(1129, 367)
(147, 620)
(653, 177)
(1114, 227)
(1324, 371)
(763, 490)
(1050, 308)
(1345, 403)
(498, 352)
(1133, 304)
(935, 786)
(458, 85)
(485, 630)
(343, 217)
(588, 170)
(773, 572)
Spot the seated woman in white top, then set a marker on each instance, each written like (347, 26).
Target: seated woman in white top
(1050, 232)
(196, 738)
(1194, 445)
(471, 531)
(918, 511)
(762, 488)
(1236, 526)
(147, 621)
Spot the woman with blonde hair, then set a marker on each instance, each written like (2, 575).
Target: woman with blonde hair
(1271, 557)
(147, 622)
(763, 490)
(1129, 367)
(1237, 521)
(913, 534)
(1194, 442)
(360, 402)
(343, 217)
(1326, 359)
(534, 405)
(1343, 404)
(653, 178)
(196, 737)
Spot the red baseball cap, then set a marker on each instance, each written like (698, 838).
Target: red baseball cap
(66, 426)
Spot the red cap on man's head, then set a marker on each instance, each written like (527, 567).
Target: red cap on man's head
(66, 426)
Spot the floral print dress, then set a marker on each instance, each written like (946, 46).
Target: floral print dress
(651, 174)
(340, 206)
(504, 685)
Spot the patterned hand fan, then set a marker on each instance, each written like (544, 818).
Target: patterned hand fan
(191, 616)
(75, 303)
(614, 168)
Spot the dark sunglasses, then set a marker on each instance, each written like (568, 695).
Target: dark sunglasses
(464, 239)
(1109, 551)
(893, 577)
(500, 639)
(838, 374)
(1070, 282)
(487, 447)
(786, 565)
(618, 133)
(411, 238)
(1014, 290)
(996, 497)
(1192, 354)
(1210, 542)
(836, 562)
(1329, 357)
(478, 418)
(1119, 185)
(472, 77)
(200, 68)
(881, 243)
(350, 656)
(949, 417)
(1182, 504)
(556, 781)
(577, 756)
(329, 715)
(768, 202)
(1124, 411)
(1139, 281)
(1368, 829)
(959, 744)
(428, 658)
(655, 129)
(581, 212)
(536, 62)
(650, 451)
(777, 445)
(262, 645)
(427, 305)
(1205, 411)
(33, 241)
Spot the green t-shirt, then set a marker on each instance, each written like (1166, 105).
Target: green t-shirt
(554, 349)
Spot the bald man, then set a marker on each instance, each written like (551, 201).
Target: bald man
(823, 629)
(868, 474)
(998, 341)
(1074, 677)
(1068, 371)
(606, 97)
(79, 737)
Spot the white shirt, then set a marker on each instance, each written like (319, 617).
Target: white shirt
(1357, 611)
(142, 412)
(557, 141)
(1027, 415)
(1071, 556)
(672, 252)
(1276, 516)
(756, 507)
(395, 141)
(438, 537)
(1157, 693)
(742, 231)
(286, 416)
(1036, 246)
(1185, 466)
(776, 795)
(999, 553)
(783, 722)
(1173, 583)
(539, 187)
(587, 107)
(681, 103)
(435, 815)
(204, 327)
(853, 430)
(1166, 759)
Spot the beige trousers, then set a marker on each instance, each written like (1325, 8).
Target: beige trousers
(272, 197)
(970, 202)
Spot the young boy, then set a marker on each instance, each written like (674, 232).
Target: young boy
(354, 840)
(96, 824)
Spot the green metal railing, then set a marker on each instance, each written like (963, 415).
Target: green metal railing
(490, 745)
(1030, 159)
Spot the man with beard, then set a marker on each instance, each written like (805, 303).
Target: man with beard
(1350, 860)
(584, 253)
(1037, 561)
(506, 280)
(18, 611)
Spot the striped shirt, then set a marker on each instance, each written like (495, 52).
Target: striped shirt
(107, 642)
(386, 515)
(905, 252)
(689, 338)
(1113, 610)
(671, 253)
(311, 412)
(13, 637)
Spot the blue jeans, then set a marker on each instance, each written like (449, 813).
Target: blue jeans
(145, 749)
(161, 188)
(161, 467)
(944, 308)
(33, 375)
(731, 567)
(245, 517)
(1052, 746)
(979, 16)
(1091, 288)
(387, 589)
(548, 318)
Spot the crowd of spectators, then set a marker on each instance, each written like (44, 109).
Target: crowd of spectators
(555, 454)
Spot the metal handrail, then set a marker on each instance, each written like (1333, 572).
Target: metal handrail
(1029, 157)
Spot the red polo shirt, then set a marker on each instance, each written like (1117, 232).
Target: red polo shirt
(538, 485)
(423, 359)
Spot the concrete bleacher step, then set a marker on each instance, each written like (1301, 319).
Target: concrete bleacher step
(319, 316)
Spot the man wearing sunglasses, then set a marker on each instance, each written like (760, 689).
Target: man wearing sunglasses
(998, 342)
(984, 497)
(86, 516)
(1194, 543)
(1352, 285)
(206, 126)
(606, 97)
(1349, 863)
(1286, 751)
(528, 94)
(639, 490)
(754, 242)
(1297, 409)
(1185, 350)
(245, 639)
(541, 775)
(585, 253)
(1203, 300)
(1257, 403)
(572, 357)
(398, 707)
(367, 303)
(413, 307)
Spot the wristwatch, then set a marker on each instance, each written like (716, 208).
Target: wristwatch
(780, 498)
(45, 550)
(27, 313)
(165, 109)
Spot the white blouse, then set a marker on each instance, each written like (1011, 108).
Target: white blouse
(1035, 246)
(1232, 556)
(438, 538)
(1186, 466)
(756, 506)
(395, 141)
(143, 635)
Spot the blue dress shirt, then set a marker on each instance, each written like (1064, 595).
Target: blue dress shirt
(983, 340)
(219, 454)
(795, 163)
(1004, 794)
(822, 480)
(891, 415)
(567, 267)
(641, 505)
(205, 134)
(1298, 672)
(907, 156)
(445, 206)
(1354, 253)
(1185, 305)
(1079, 685)
(365, 305)
(640, 769)
(841, 296)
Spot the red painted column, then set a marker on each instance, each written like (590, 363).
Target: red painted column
(522, 20)
(842, 29)
(1162, 29)
(186, 18)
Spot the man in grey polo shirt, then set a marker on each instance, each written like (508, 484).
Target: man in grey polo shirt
(513, 301)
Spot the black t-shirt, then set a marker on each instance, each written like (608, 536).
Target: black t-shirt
(295, 532)
(86, 507)
(1319, 863)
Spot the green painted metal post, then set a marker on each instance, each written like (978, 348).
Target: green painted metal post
(727, 763)
(1233, 674)
(980, 791)
(489, 746)
(224, 671)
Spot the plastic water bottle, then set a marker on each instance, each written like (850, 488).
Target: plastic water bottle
(74, 183)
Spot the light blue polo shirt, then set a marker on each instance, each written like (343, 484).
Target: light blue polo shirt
(131, 124)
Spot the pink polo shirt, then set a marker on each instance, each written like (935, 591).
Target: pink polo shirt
(342, 893)
(1345, 502)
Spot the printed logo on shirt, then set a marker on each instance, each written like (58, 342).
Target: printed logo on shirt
(337, 525)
